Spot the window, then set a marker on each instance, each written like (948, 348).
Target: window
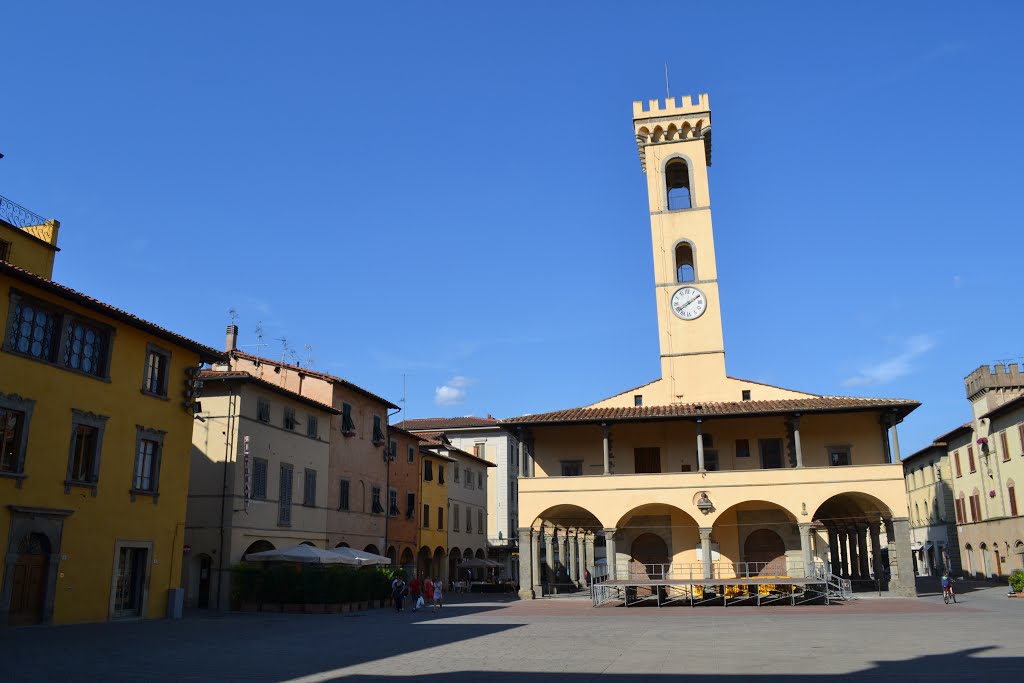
(711, 459)
(5, 250)
(1005, 444)
(259, 479)
(440, 518)
(428, 470)
(469, 479)
(15, 415)
(480, 521)
(469, 520)
(479, 480)
(312, 427)
(440, 474)
(742, 448)
(745, 394)
(638, 399)
(410, 505)
(378, 434)
(838, 456)
(148, 447)
(959, 506)
(263, 410)
(456, 517)
(1020, 437)
(455, 473)
(956, 461)
(677, 184)
(412, 454)
(158, 363)
(40, 330)
(572, 468)
(392, 502)
(343, 489)
(377, 507)
(284, 497)
(309, 488)
(1011, 495)
(771, 453)
(684, 262)
(647, 460)
(289, 419)
(975, 506)
(970, 458)
(86, 446)
(426, 516)
(348, 426)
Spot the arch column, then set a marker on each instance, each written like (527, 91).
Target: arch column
(876, 552)
(904, 574)
(606, 434)
(549, 555)
(590, 560)
(705, 550)
(564, 551)
(862, 551)
(700, 450)
(854, 558)
(833, 548)
(610, 555)
(796, 440)
(581, 562)
(525, 563)
(805, 547)
(535, 562)
(844, 554)
(570, 543)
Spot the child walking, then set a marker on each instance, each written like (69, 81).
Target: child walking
(438, 597)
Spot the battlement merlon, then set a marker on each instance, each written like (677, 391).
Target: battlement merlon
(672, 122)
(994, 377)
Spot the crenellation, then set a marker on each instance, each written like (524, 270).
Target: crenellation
(996, 376)
(670, 107)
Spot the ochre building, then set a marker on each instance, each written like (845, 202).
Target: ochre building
(94, 444)
(698, 473)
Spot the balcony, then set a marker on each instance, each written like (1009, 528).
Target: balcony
(17, 215)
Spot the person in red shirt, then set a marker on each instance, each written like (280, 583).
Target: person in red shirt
(414, 591)
(428, 589)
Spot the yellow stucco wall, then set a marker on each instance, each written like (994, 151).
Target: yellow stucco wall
(35, 255)
(435, 495)
(96, 523)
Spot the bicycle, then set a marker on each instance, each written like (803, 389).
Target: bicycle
(948, 594)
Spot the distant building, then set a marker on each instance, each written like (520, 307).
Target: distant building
(259, 479)
(484, 438)
(432, 557)
(402, 531)
(94, 442)
(986, 458)
(933, 533)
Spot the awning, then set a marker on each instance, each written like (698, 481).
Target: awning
(916, 546)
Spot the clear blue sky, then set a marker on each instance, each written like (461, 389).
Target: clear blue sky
(453, 192)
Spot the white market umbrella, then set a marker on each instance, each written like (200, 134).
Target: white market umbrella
(359, 558)
(307, 554)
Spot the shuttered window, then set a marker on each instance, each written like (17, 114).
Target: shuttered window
(956, 461)
(309, 488)
(347, 425)
(343, 495)
(1011, 495)
(970, 458)
(1005, 444)
(284, 499)
(259, 479)
(426, 516)
(479, 521)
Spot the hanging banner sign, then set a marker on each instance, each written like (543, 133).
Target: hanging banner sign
(247, 474)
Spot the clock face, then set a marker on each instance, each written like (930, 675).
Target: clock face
(689, 303)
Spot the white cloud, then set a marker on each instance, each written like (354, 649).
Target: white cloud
(453, 392)
(897, 366)
(957, 281)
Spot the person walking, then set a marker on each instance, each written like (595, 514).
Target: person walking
(398, 593)
(438, 597)
(414, 592)
(428, 590)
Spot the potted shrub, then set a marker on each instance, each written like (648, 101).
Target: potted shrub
(314, 589)
(246, 584)
(1017, 583)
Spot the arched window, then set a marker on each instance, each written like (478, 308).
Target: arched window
(685, 271)
(677, 184)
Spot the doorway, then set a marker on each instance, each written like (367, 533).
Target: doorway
(766, 552)
(205, 567)
(771, 454)
(130, 582)
(649, 554)
(30, 571)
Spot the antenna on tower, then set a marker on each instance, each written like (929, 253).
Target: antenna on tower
(233, 315)
(284, 348)
(309, 356)
(668, 92)
(405, 398)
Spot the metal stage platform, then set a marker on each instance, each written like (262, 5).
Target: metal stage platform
(754, 590)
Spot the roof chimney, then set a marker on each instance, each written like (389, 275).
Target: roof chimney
(232, 340)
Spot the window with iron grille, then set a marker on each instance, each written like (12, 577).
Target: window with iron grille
(289, 419)
(312, 427)
(44, 332)
(284, 498)
(392, 502)
(263, 410)
(343, 495)
(378, 433)
(410, 505)
(309, 488)
(34, 330)
(377, 507)
(348, 426)
(158, 363)
(259, 479)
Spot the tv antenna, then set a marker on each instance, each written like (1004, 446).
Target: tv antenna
(309, 355)
(233, 315)
(668, 92)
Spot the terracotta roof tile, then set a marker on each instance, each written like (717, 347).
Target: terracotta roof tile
(206, 353)
(817, 404)
(313, 373)
(435, 423)
(241, 375)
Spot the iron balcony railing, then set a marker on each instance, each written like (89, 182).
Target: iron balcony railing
(17, 215)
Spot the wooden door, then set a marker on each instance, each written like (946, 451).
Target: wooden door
(29, 590)
(647, 460)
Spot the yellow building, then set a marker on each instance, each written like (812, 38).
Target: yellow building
(433, 534)
(699, 473)
(94, 444)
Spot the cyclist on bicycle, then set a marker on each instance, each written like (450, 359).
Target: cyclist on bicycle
(947, 584)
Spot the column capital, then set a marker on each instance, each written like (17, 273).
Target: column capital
(805, 526)
(610, 530)
(525, 530)
(705, 532)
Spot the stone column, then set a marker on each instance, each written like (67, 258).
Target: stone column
(581, 554)
(876, 552)
(525, 563)
(549, 555)
(796, 441)
(564, 551)
(895, 443)
(862, 552)
(570, 544)
(833, 547)
(854, 559)
(523, 467)
(610, 557)
(589, 559)
(805, 548)
(606, 433)
(705, 550)
(904, 574)
(535, 563)
(844, 555)
(700, 451)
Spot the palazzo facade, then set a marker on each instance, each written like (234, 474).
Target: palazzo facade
(700, 474)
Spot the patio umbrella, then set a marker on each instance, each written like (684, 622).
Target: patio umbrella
(307, 554)
(359, 558)
(477, 563)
